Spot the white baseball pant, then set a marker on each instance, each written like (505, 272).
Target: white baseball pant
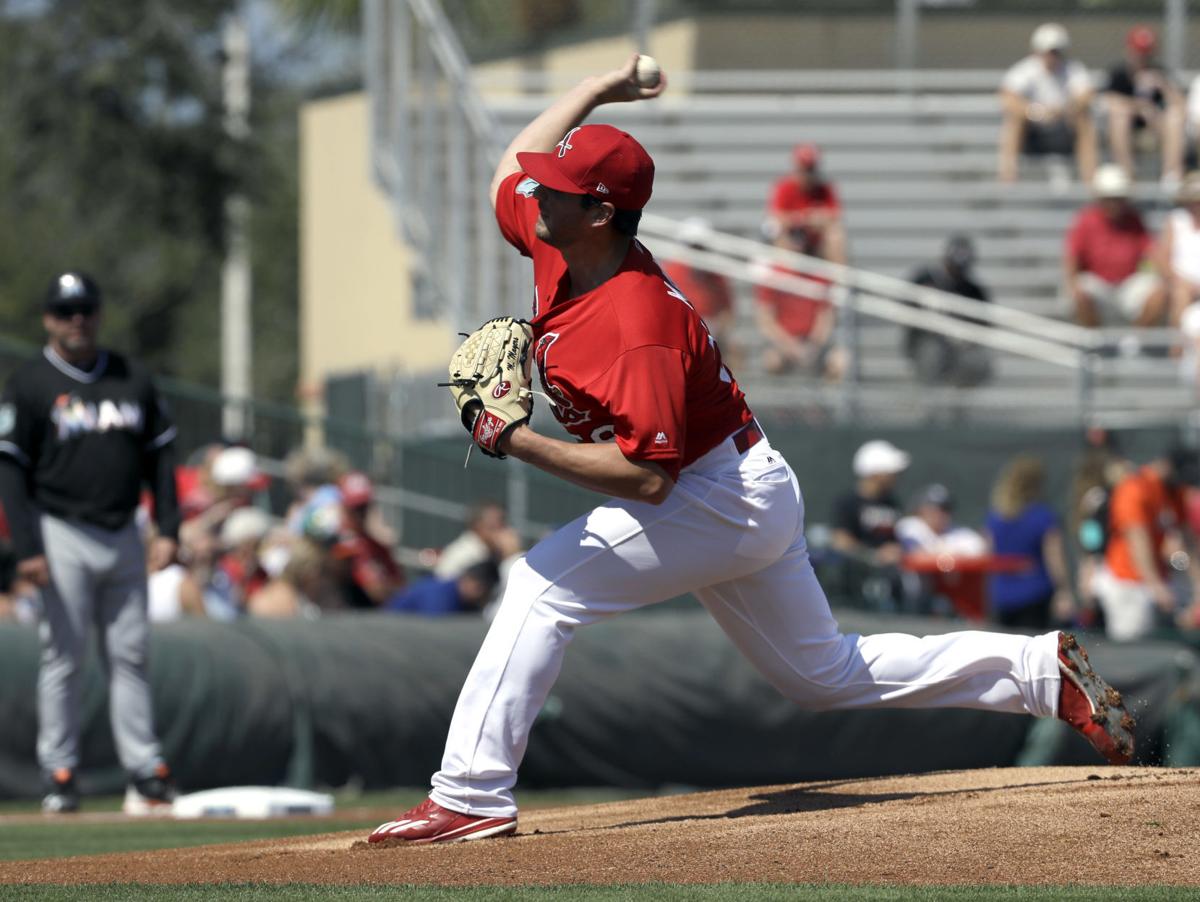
(732, 533)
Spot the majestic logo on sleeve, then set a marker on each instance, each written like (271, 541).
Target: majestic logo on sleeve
(74, 416)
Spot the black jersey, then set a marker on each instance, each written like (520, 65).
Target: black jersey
(84, 437)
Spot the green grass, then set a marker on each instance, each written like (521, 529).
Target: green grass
(656, 892)
(55, 837)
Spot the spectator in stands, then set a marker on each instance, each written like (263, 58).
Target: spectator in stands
(367, 570)
(466, 593)
(173, 592)
(798, 328)
(1047, 100)
(1147, 519)
(1141, 95)
(708, 292)
(805, 205)
(937, 358)
(1100, 467)
(930, 528)
(230, 480)
(1108, 259)
(1179, 248)
(488, 536)
(239, 573)
(1020, 522)
(864, 520)
(312, 475)
(301, 587)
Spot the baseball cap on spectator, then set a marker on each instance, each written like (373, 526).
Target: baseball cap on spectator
(245, 524)
(937, 495)
(1049, 36)
(806, 155)
(599, 160)
(237, 467)
(1141, 38)
(879, 457)
(1110, 181)
(356, 489)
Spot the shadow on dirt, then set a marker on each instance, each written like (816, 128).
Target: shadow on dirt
(824, 797)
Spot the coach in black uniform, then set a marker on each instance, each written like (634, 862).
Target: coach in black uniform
(81, 431)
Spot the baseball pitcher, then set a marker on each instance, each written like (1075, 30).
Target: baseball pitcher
(700, 501)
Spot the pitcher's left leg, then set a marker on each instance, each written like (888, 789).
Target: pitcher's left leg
(780, 619)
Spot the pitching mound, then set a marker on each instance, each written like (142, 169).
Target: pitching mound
(1030, 825)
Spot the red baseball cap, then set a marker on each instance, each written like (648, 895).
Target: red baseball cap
(356, 489)
(1141, 38)
(599, 160)
(807, 155)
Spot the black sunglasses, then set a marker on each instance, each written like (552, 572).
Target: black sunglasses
(70, 311)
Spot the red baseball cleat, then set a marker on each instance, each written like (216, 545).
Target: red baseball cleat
(430, 822)
(1091, 706)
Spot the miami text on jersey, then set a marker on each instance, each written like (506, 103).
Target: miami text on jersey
(74, 416)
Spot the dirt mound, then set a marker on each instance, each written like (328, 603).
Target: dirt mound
(1100, 826)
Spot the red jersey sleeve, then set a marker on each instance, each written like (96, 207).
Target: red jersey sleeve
(517, 211)
(646, 388)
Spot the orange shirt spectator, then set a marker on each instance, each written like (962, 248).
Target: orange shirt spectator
(1142, 499)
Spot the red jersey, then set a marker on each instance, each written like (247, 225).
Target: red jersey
(796, 314)
(789, 197)
(1111, 250)
(707, 292)
(629, 361)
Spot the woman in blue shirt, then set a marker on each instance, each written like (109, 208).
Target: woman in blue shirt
(1021, 523)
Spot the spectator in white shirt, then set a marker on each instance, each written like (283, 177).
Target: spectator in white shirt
(1047, 106)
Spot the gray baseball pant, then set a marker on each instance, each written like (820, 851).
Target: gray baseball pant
(97, 576)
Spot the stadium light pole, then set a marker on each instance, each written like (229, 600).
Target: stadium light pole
(235, 270)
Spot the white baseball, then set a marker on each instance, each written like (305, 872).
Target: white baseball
(648, 72)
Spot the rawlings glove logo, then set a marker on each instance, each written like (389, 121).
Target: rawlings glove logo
(502, 388)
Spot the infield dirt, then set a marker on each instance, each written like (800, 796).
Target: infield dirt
(1101, 826)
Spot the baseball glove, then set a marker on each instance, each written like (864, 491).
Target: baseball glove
(489, 380)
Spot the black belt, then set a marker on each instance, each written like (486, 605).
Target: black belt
(747, 437)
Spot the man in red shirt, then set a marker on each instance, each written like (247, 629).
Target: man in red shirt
(700, 501)
(798, 327)
(1108, 260)
(805, 205)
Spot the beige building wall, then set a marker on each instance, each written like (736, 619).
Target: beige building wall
(673, 45)
(355, 298)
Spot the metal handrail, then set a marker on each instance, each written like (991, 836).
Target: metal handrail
(937, 302)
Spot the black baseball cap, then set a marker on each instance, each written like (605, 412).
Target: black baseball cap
(72, 289)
